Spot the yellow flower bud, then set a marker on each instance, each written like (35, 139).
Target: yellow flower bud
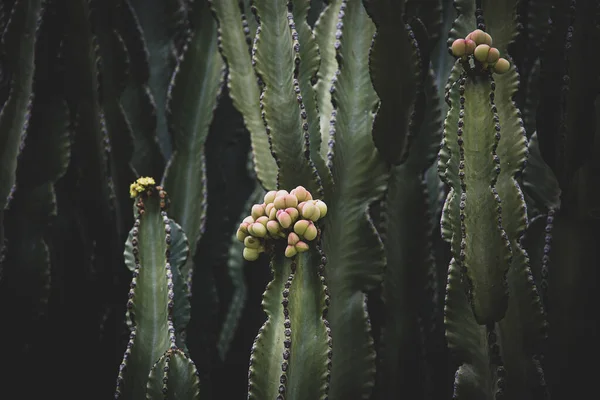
(502, 66)
(248, 220)
(279, 202)
(250, 254)
(262, 220)
(481, 52)
(257, 230)
(301, 226)
(311, 232)
(268, 208)
(252, 242)
(290, 201)
(322, 207)
(270, 196)
(273, 227)
(240, 235)
(258, 210)
(310, 211)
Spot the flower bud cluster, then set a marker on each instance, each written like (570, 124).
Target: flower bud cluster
(290, 216)
(140, 185)
(479, 44)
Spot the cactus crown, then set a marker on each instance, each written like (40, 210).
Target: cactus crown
(477, 46)
(282, 215)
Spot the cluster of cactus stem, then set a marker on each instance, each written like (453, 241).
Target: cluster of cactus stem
(282, 215)
(479, 44)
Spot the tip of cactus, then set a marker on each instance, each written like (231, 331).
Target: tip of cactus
(140, 185)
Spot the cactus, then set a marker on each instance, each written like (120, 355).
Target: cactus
(382, 271)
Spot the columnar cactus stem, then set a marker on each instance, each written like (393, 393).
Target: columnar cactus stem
(156, 289)
(296, 333)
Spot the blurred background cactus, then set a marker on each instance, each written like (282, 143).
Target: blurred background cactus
(432, 165)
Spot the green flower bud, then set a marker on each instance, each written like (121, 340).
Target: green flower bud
(257, 230)
(252, 242)
(481, 52)
(270, 196)
(248, 220)
(311, 232)
(258, 210)
(301, 194)
(290, 251)
(459, 48)
(250, 254)
(294, 213)
(502, 66)
(322, 207)
(293, 239)
(301, 247)
(241, 235)
(493, 55)
(300, 226)
(284, 219)
(274, 228)
(469, 46)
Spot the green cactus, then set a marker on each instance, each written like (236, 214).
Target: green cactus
(387, 274)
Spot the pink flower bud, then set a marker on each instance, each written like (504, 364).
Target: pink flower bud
(290, 201)
(301, 194)
(258, 210)
(248, 220)
(284, 219)
(470, 46)
(293, 239)
(459, 47)
(279, 202)
(268, 208)
(290, 251)
(493, 55)
(301, 247)
(502, 66)
(281, 193)
(293, 213)
(274, 228)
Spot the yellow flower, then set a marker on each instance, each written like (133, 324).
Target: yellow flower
(140, 185)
